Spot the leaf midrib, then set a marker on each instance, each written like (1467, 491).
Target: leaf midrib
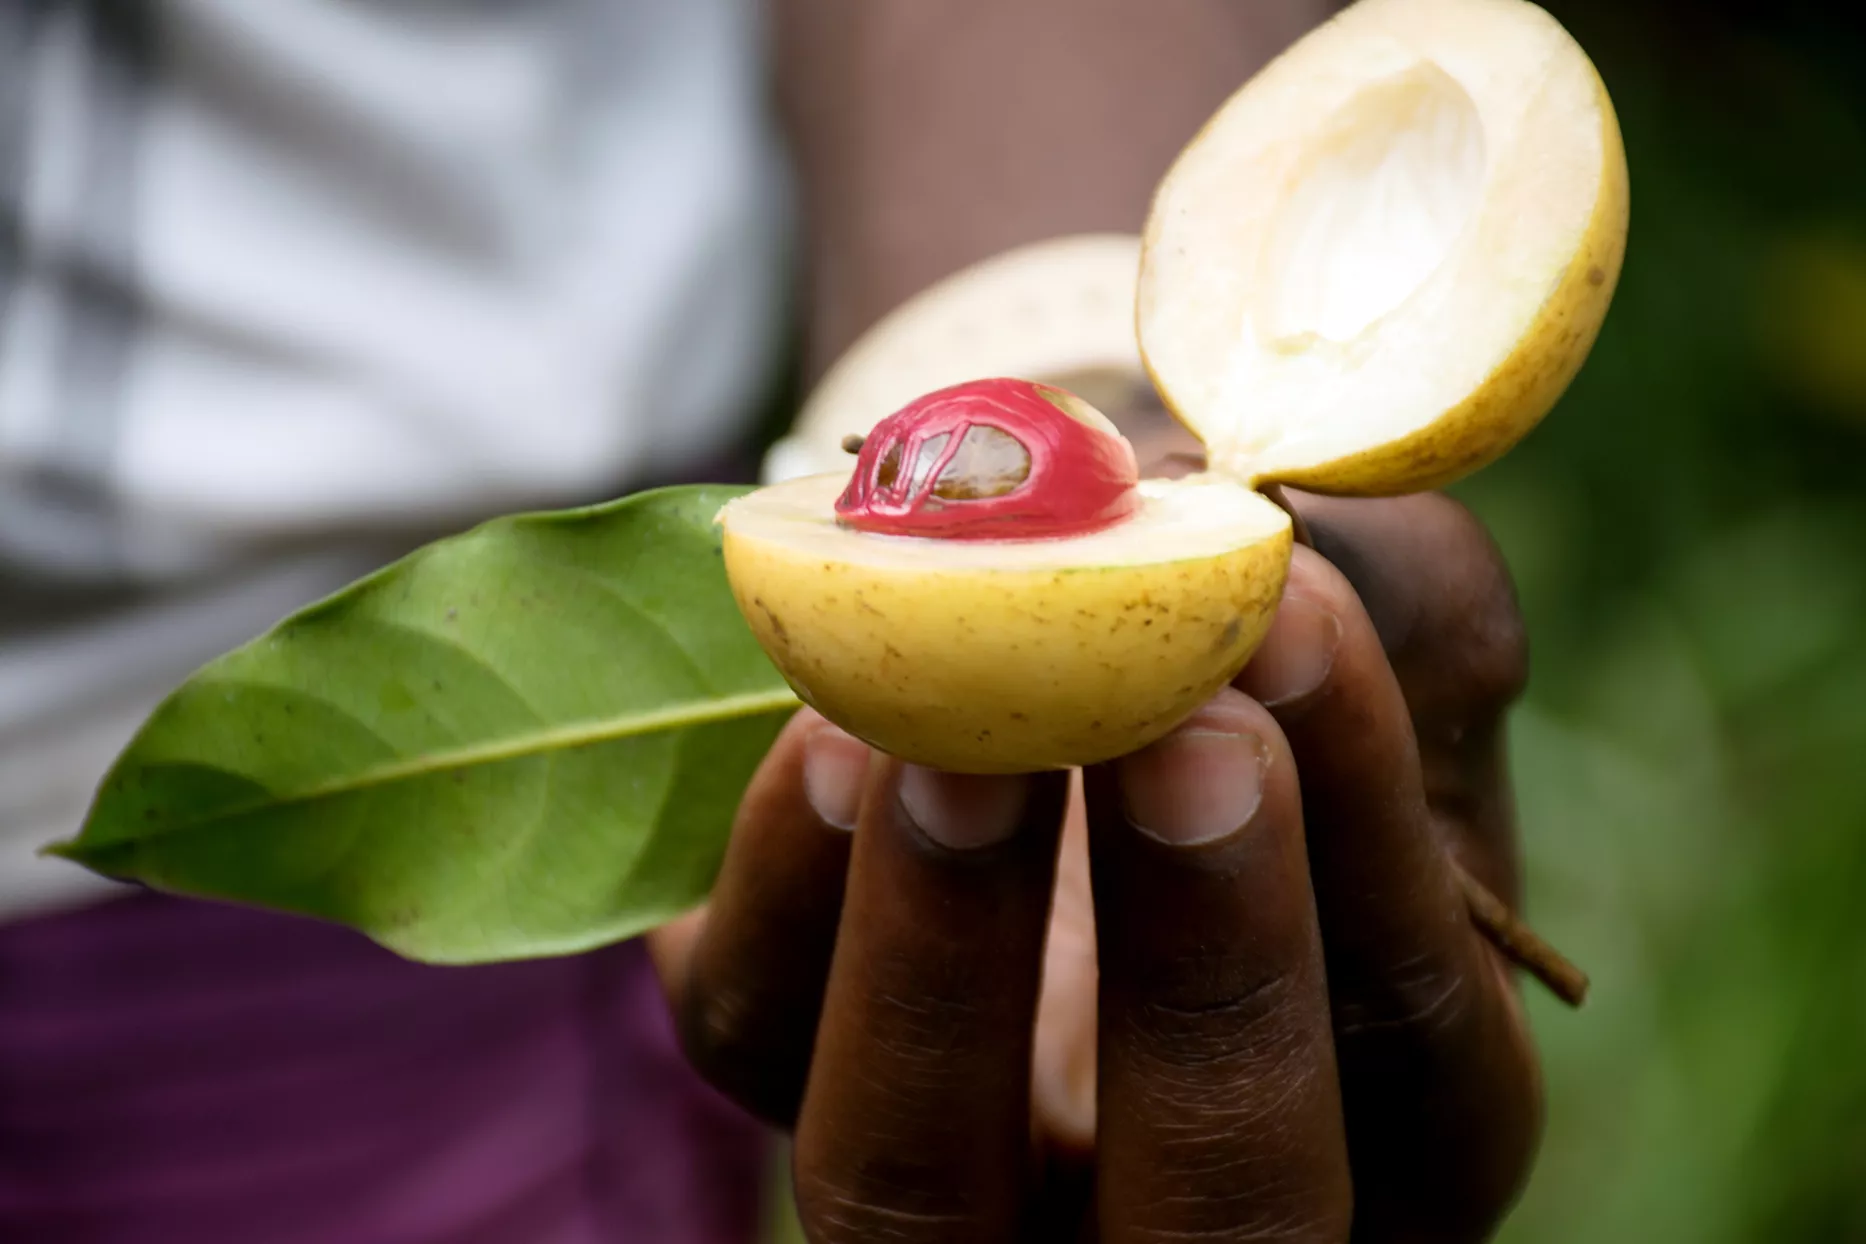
(557, 738)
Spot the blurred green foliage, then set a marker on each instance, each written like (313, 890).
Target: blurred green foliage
(1688, 533)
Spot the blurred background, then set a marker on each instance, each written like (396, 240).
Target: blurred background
(1688, 532)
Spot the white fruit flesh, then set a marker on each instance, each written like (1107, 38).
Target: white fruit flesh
(1198, 516)
(1383, 259)
(1059, 311)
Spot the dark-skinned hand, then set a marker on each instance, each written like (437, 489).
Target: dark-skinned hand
(1224, 990)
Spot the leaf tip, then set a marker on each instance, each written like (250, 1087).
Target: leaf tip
(85, 855)
(68, 849)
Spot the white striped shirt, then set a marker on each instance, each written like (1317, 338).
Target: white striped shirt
(301, 273)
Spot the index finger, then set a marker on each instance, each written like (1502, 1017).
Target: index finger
(1220, 1115)
(916, 1117)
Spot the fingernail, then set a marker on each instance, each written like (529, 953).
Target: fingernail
(1297, 654)
(835, 768)
(1200, 783)
(962, 812)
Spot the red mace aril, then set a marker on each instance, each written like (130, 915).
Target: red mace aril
(992, 460)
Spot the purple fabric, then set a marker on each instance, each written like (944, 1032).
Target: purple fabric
(187, 1073)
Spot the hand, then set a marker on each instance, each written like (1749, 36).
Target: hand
(1291, 1030)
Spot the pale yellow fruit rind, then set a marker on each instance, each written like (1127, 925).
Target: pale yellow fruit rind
(1488, 340)
(952, 659)
(1007, 671)
(1513, 399)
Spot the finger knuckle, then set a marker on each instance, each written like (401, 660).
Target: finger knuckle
(879, 1202)
(1230, 1064)
(717, 1033)
(1303, 1223)
(1240, 1093)
(1483, 620)
(1206, 1018)
(1235, 1052)
(1242, 1181)
(1496, 646)
(1421, 996)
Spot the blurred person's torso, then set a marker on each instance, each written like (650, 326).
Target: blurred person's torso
(281, 281)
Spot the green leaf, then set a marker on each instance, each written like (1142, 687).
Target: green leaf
(525, 740)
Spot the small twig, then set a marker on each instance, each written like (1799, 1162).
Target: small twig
(1519, 943)
(852, 444)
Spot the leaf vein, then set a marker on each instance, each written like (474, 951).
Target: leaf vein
(441, 640)
(557, 738)
(660, 627)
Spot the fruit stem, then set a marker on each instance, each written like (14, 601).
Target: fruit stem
(1519, 943)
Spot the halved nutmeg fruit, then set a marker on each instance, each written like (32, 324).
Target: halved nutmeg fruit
(1374, 270)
